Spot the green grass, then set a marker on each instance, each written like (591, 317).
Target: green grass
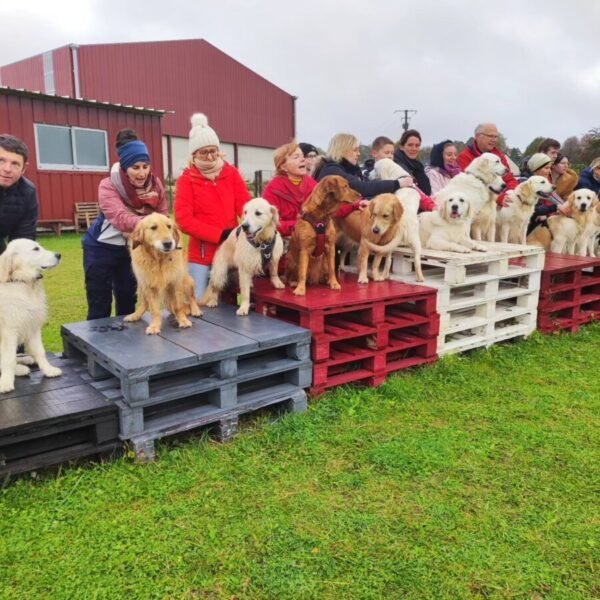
(476, 477)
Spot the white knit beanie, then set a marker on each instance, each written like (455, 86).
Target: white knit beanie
(201, 134)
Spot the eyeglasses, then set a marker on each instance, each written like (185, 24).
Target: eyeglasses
(493, 136)
(207, 153)
(311, 155)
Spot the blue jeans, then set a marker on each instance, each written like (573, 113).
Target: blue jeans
(200, 275)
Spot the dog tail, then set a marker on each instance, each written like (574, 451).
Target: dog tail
(392, 245)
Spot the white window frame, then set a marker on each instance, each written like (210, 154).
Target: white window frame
(75, 166)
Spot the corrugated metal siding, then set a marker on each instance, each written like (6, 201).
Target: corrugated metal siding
(63, 71)
(189, 76)
(59, 190)
(27, 74)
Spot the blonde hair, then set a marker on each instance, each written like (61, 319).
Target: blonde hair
(340, 144)
(281, 154)
(595, 163)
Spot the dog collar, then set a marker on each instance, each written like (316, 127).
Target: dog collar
(40, 276)
(320, 228)
(266, 248)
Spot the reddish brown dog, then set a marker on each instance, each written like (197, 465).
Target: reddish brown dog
(311, 254)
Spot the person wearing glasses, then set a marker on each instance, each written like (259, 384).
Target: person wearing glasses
(311, 154)
(209, 198)
(485, 140)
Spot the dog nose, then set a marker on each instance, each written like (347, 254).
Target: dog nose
(167, 245)
(57, 255)
(245, 226)
(553, 187)
(376, 230)
(454, 207)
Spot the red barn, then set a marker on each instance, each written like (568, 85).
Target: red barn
(71, 144)
(250, 115)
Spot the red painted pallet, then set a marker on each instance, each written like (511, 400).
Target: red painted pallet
(570, 293)
(361, 333)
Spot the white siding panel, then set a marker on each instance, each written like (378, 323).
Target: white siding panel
(252, 158)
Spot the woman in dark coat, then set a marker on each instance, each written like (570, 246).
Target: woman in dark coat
(406, 155)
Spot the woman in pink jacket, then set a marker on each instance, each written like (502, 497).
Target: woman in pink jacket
(442, 165)
(125, 197)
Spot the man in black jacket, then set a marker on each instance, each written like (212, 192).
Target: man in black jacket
(18, 196)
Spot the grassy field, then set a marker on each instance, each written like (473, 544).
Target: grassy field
(477, 477)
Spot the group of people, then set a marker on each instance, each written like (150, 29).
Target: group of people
(210, 194)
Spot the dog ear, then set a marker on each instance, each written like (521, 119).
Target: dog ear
(6, 267)
(370, 209)
(571, 199)
(527, 189)
(176, 235)
(274, 216)
(137, 237)
(469, 209)
(398, 211)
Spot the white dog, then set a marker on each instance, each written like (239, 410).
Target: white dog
(512, 219)
(23, 309)
(408, 233)
(480, 183)
(253, 248)
(448, 228)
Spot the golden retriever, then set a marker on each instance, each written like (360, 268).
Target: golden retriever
(512, 219)
(480, 183)
(161, 272)
(315, 231)
(448, 228)
(24, 310)
(375, 230)
(386, 168)
(251, 248)
(564, 234)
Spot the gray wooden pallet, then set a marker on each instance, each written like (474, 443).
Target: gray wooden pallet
(47, 421)
(225, 420)
(193, 360)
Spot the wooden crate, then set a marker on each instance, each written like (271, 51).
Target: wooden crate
(44, 422)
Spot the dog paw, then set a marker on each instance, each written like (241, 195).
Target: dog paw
(420, 278)
(242, 311)
(52, 371)
(6, 386)
(300, 291)
(364, 279)
(152, 330)
(184, 323)
(25, 359)
(131, 318)
(211, 303)
(480, 248)
(278, 284)
(22, 370)
(334, 285)
(196, 312)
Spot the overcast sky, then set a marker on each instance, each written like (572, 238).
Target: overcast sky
(533, 67)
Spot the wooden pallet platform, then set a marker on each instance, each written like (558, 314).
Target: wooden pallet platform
(570, 293)
(361, 333)
(44, 422)
(472, 268)
(222, 366)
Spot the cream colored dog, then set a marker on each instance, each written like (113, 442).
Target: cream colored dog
(253, 248)
(23, 310)
(408, 233)
(161, 272)
(479, 185)
(512, 220)
(448, 228)
(564, 234)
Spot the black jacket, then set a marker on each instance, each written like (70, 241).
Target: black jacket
(353, 175)
(18, 212)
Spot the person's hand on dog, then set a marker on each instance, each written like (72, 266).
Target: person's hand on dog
(362, 204)
(565, 209)
(405, 181)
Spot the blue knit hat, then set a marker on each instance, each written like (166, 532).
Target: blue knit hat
(131, 153)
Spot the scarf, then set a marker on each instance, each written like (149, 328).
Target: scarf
(415, 168)
(141, 201)
(210, 168)
(451, 170)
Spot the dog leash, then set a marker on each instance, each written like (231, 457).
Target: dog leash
(266, 248)
(320, 227)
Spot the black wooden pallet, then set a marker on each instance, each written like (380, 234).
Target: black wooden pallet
(45, 421)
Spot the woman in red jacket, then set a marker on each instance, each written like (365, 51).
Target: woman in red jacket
(290, 187)
(209, 199)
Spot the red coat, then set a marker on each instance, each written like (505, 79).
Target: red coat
(471, 152)
(205, 208)
(288, 199)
